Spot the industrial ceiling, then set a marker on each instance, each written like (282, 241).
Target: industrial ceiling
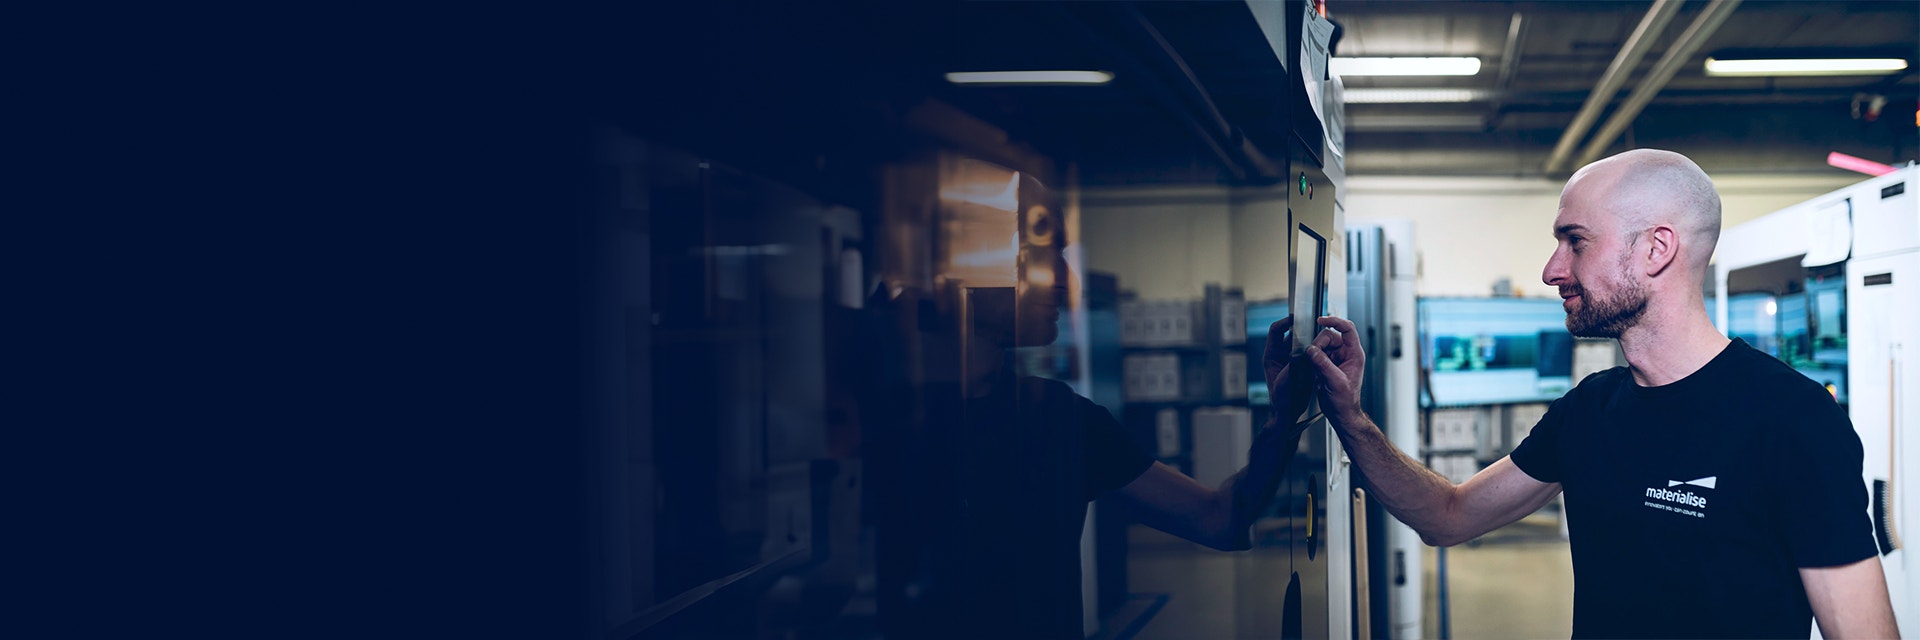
(1543, 60)
(1197, 88)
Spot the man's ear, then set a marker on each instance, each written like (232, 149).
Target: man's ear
(1663, 250)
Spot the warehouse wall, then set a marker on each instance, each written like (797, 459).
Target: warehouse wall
(1162, 242)
(1168, 242)
(1473, 231)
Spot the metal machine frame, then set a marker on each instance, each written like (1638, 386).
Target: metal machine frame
(1381, 303)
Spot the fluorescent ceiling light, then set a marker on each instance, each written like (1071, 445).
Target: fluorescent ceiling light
(1031, 77)
(1390, 96)
(1417, 123)
(1406, 66)
(1806, 67)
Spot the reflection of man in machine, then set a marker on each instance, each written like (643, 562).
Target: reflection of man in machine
(981, 520)
(1711, 490)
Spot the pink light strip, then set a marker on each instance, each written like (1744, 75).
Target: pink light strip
(1861, 165)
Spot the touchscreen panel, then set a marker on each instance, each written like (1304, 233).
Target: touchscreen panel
(1309, 291)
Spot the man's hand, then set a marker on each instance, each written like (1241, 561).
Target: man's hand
(1342, 366)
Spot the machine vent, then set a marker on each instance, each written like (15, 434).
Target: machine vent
(1892, 190)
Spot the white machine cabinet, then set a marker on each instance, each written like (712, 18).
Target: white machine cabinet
(1881, 347)
(1873, 229)
(1883, 291)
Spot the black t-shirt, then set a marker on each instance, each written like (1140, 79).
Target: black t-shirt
(996, 495)
(1691, 506)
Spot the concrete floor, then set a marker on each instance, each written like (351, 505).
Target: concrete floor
(1516, 583)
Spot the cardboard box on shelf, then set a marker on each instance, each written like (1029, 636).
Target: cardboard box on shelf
(1233, 375)
(1166, 430)
(1222, 437)
(1233, 317)
(1151, 377)
(1454, 429)
(1456, 468)
(1159, 323)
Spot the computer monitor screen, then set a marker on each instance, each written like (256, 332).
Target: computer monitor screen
(1554, 357)
(1495, 350)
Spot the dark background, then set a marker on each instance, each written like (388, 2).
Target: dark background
(298, 334)
(299, 323)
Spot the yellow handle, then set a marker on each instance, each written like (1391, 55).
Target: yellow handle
(1310, 513)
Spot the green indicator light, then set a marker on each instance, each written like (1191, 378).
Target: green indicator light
(1303, 183)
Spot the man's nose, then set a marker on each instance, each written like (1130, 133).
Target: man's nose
(1556, 269)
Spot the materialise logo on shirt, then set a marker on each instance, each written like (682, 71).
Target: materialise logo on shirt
(1681, 500)
(1703, 482)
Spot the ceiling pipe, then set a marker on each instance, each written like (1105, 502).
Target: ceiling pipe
(1510, 55)
(1509, 67)
(1616, 75)
(1679, 54)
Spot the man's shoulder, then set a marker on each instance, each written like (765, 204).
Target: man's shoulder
(1770, 382)
(1772, 398)
(1047, 386)
(1050, 392)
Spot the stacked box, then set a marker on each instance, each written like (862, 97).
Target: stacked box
(1233, 318)
(1132, 316)
(1233, 375)
(1151, 377)
(1158, 323)
(1222, 437)
(1521, 418)
(1454, 430)
(1166, 431)
(1456, 468)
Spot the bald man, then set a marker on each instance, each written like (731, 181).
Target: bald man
(1711, 490)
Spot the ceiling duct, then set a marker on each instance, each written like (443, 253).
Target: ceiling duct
(1509, 67)
(1682, 50)
(1616, 75)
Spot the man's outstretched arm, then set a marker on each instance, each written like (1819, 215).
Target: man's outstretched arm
(1850, 601)
(1219, 517)
(1444, 514)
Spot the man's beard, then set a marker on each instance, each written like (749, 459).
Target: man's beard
(1608, 318)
